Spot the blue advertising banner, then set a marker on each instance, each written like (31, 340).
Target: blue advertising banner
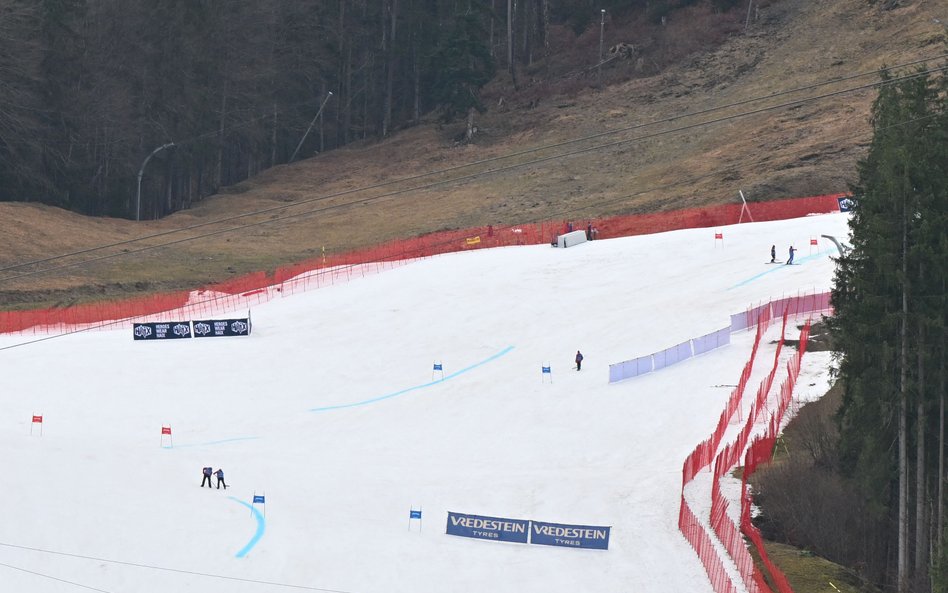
(161, 331)
(570, 536)
(495, 528)
(846, 203)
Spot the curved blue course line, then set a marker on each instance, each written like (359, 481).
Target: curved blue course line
(261, 526)
(212, 443)
(775, 268)
(416, 387)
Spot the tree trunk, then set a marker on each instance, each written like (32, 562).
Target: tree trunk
(492, 14)
(921, 559)
(510, 43)
(940, 505)
(388, 50)
(903, 526)
(220, 138)
(416, 75)
(273, 138)
(469, 135)
(347, 112)
(510, 36)
(544, 23)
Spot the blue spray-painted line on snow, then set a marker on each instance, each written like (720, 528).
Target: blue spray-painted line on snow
(776, 268)
(261, 526)
(416, 387)
(212, 443)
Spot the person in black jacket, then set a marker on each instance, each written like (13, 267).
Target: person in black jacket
(207, 476)
(579, 360)
(773, 254)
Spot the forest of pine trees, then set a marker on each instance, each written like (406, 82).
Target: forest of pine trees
(890, 301)
(90, 88)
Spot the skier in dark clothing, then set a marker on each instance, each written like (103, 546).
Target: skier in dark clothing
(579, 360)
(773, 254)
(220, 479)
(790, 261)
(207, 477)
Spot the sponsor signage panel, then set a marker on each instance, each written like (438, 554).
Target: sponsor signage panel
(570, 536)
(171, 330)
(209, 328)
(493, 528)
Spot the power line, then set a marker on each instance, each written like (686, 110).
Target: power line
(475, 163)
(403, 254)
(431, 185)
(46, 576)
(162, 568)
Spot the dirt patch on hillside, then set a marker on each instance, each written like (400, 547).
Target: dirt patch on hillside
(647, 157)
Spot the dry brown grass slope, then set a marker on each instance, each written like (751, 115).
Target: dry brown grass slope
(806, 149)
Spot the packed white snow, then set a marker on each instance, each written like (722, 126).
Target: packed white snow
(332, 411)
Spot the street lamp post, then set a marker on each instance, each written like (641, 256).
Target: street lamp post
(138, 195)
(602, 23)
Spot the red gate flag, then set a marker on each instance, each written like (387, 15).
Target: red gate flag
(38, 419)
(165, 430)
(718, 235)
(813, 242)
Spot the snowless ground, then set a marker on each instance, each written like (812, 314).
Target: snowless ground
(329, 410)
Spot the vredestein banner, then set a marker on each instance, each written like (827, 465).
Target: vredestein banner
(161, 331)
(493, 528)
(210, 328)
(570, 536)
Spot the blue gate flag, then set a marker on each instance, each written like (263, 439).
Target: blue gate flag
(413, 514)
(495, 528)
(570, 536)
(259, 498)
(437, 366)
(546, 369)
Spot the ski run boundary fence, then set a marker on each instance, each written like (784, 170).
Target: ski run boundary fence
(722, 549)
(245, 291)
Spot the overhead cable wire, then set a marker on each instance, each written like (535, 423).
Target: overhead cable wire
(401, 255)
(367, 200)
(46, 576)
(167, 569)
(503, 157)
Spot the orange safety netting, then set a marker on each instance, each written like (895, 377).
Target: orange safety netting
(241, 292)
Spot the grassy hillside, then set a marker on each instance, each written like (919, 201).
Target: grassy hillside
(647, 158)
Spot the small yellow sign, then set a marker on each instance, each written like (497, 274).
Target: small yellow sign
(473, 240)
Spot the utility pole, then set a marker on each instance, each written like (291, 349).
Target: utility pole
(602, 24)
(329, 94)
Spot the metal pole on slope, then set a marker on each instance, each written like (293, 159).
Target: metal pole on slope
(298, 146)
(602, 23)
(138, 195)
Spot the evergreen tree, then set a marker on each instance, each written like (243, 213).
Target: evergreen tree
(462, 67)
(889, 324)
